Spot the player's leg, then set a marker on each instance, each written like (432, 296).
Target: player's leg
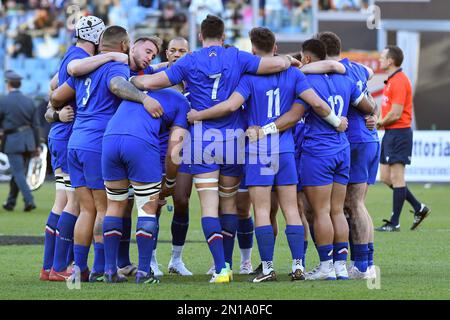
(69, 216)
(319, 198)
(180, 222)
(301, 199)
(228, 189)
(207, 185)
(340, 227)
(260, 198)
(117, 202)
(359, 225)
(245, 228)
(295, 232)
(126, 267)
(147, 203)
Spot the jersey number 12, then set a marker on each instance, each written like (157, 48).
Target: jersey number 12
(336, 101)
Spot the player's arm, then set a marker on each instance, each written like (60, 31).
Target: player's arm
(125, 90)
(269, 65)
(81, 67)
(62, 95)
(234, 102)
(370, 72)
(324, 66)
(173, 159)
(54, 82)
(392, 116)
(290, 118)
(365, 105)
(321, 108)
(151, 81)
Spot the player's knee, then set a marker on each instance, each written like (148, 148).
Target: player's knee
(181, 203)
(147, 197)
(206, 184)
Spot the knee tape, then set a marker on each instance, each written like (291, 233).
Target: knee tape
(68, 183)
(59, 182)
(144, 194)
(204, 184)
(117, 194)
(130, 193)
(228, 192)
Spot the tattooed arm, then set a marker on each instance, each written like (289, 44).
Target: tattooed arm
(125, 90)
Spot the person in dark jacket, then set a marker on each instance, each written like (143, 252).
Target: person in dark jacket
(20, 124)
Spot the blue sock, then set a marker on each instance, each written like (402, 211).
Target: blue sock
(340, 251)
(266, 242)
(245, 233)
(49, 242)
(80, 254)
(146, 228)
(64, 241)
(99, 258)
(156, 232)
(399, 198)
(370, 254)
(361, 252)
(229, 223)
(296, 236)
(325, 252)
(112, 233)
(70, 253)
(305, 246)
(213, 234)
(179, 228)
(123, 259)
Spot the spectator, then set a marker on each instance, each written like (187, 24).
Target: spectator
(201, 8)
(23, 43)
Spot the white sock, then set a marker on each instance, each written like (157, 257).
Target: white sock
(326, 265)
(246, 255)
(176, 252)
(267, 266)
(297, 264)
(154, 261)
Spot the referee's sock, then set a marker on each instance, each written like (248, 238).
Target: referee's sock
(411, 199)
(399, 198)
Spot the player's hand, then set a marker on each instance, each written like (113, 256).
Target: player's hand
(118, 57)
(66, 114)
(153, 108)
(344, 124)
(379, 124)
(371, 122)
(160, 65)
(192, 116)
(254, 133)
(295, 62)
(165, 191)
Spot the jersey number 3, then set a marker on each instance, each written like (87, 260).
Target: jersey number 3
(87, 83)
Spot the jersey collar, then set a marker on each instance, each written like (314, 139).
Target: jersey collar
(398, 71)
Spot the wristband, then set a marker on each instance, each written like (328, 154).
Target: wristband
(131, 78)
(55, 116)
(170, 183)
(333, 119)
(270, 128)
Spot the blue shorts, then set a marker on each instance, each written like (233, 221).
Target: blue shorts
(325, 170)
(128, 157)
(209, 156)
(274, 171)
(184, 168)
(58, 153)
(85, 169)
(364, 160)
(298, 156)
(396, 146)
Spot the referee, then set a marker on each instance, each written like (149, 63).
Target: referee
(396, 147)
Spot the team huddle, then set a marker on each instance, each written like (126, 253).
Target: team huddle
(260, 129)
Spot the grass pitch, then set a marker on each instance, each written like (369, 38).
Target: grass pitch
(413, 264)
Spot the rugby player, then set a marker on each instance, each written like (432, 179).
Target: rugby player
(58, 245)
(324, 165)
(98, 95)
(211, 74)
(266, 98)
(131, 141)
(396, 147)
(142, 53)
(364, 158)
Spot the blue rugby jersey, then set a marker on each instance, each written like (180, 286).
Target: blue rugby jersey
(357, 131)
(96, 104)
(63, 130)
(321, 139)
(212, 74)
